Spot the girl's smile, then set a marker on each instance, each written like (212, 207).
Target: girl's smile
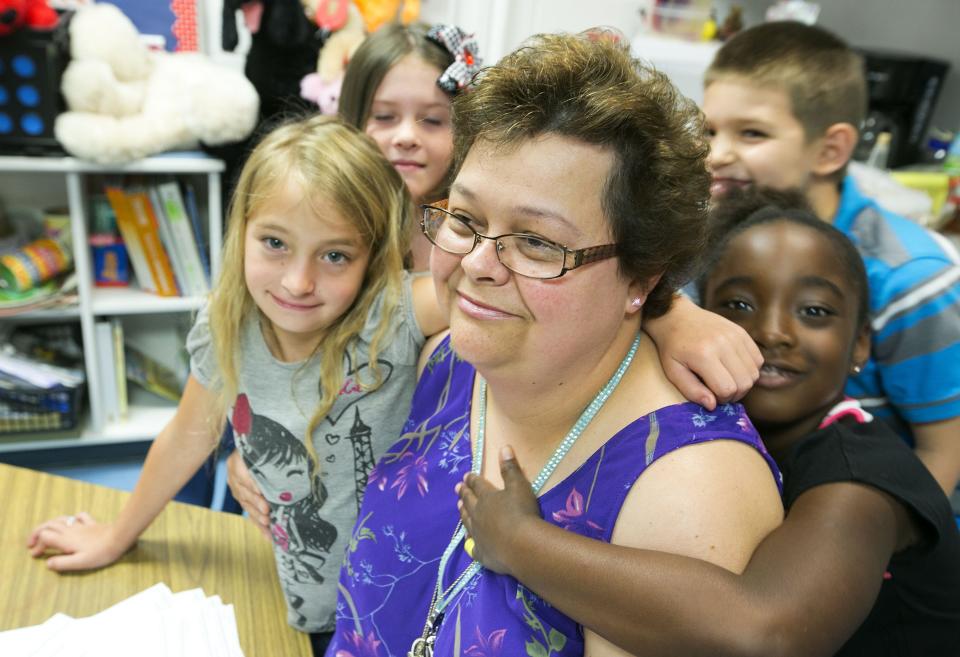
(289, 305)
(776, 376)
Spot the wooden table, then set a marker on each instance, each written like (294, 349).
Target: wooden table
(186, 547)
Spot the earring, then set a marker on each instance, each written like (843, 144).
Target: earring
(856, 369)
(637, 302)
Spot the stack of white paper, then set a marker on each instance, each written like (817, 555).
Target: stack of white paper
(152, 623)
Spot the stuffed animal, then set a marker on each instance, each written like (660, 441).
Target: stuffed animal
(323, 86)
(31, 14)
(377, 12)
(325, 93)
(126, 102)
(284, 44)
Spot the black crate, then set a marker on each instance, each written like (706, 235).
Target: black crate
(32, 409)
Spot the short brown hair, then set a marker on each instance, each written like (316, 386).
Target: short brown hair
(823, 77)
(593, 90)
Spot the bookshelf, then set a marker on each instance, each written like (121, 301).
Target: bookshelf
(157, 324)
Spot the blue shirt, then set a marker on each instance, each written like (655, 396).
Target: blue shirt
(913, 375)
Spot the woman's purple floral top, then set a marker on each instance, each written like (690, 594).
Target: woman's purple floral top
(409, 515)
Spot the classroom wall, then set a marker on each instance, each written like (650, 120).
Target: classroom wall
(927, 27)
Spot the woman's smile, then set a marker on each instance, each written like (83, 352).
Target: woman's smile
(478, 310)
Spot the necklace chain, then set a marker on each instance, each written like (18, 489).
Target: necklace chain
(423, 646)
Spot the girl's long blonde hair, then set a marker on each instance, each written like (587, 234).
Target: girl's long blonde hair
(336, 162)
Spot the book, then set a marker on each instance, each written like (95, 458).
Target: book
(193, 211)
(110, 260)
(168, 240)
(103, 339)
(175, 211)
(149, 231)
(153, 375)
(119, 372)
(127, 224)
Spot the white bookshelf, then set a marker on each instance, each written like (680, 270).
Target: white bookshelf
(66, 182)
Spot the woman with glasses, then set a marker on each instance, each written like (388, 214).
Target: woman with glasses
(577, 208)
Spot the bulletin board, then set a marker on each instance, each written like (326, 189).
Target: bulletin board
(174, 20)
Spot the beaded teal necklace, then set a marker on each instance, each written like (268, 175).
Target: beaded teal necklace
(423, 645)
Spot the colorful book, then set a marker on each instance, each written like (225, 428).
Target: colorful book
(168, 241)
(127, 223)
(149, 231)
(152, 375)
(193, 211)
(175, 211)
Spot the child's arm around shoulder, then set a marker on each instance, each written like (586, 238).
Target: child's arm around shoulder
(786, 601)
(706, 356)
(177, 452)
(714, 501)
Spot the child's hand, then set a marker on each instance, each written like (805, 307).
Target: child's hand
(80, 541)
(245, 490)
(493, 516)
(707, 357)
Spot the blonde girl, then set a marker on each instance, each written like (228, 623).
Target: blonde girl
(397, 88)
(313, 330)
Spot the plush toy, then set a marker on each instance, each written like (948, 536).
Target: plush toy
(377, 12)
(126, 102)
(323, 86)
(284, 45)
(31, 14)
(325, 93)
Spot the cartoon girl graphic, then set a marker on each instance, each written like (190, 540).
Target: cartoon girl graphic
(287, 477)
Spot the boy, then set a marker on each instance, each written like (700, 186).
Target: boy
(783, 101)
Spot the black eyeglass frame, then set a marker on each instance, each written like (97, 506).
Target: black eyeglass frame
(580, 256)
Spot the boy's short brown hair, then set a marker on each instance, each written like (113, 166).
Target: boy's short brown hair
(823, 77)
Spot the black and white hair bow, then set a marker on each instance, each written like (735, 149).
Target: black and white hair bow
(466, 59)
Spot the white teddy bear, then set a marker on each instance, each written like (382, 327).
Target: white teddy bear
(126, 102)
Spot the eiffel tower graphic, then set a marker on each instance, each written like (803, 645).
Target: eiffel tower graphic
(360, 438)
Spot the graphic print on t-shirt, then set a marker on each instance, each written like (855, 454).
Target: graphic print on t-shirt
(360, 435)
(286, 476)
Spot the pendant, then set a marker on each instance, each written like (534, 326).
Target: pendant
(423, 645)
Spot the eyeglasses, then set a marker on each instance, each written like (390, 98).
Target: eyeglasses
(521, 253)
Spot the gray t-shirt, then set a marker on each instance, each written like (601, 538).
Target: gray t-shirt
(312, 516)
